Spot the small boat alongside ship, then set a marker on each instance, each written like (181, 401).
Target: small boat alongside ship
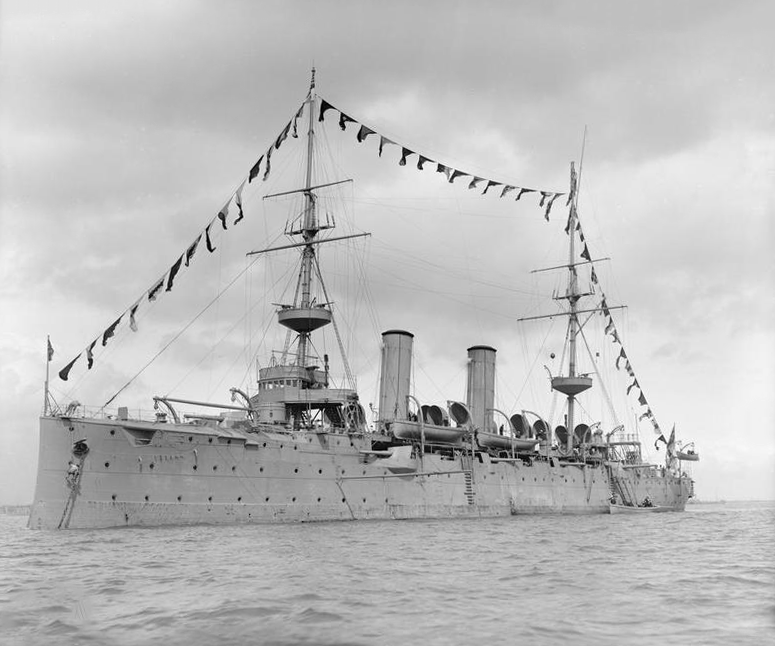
(296, 447)
(633, 509)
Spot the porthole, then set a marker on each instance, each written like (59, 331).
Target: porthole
(364, 500)
(295, 470)
(228, 441)
(113, 497)
(295, 448)
(319, 499)
(215, 467)
(190, 439)
(151, 465)
(113, 431)
(342, 499)
(209, 498)
(260, 469)
(147, 499)
(195, 467)
(293, 499)
(234, 468)
(180, 498)
(210, 440)
(320, 471)
(239, 498)
(107, 464)
(264, 444)
(266, 499)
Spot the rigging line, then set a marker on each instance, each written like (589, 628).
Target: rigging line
(532, 366)
(176, 337)
(218, 343)
(348, 373)
(565, 346)
(606, 394)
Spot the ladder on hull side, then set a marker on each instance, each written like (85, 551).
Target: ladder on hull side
(621, 488)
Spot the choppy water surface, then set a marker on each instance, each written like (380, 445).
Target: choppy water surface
(706, 576)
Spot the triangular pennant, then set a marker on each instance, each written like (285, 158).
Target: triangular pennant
(223, 213)
(634, 384)
(324, 105)
(283, 135)
(382, 142)
(64, 373)
(621, 356)
(154, 291)
(610, 327)
(405, 152)
(490, 184)
(642, 399)
(456, 174)
(544, 195)
(593, 276)
(173, 272)
(208, 242)
(268, 164)
(295, 133)
(344, 120)
(441, 168)
(421, 161)
(507, 189)
(49, 350)
(550, 203)
(238, 202)
(585, 253)
(255, 170)
(192, 249)
(363, 133)
(474, 182)
(90, 354)
(573, 180)
(110, 331)
(132, 312)
(522, 191)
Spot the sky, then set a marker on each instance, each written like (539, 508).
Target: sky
(126, 126)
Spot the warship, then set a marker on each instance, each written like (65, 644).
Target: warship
(295, 446)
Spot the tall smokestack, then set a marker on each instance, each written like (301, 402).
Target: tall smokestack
(480, 393)
(395, 375)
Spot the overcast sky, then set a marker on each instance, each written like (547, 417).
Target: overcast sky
(125, 126)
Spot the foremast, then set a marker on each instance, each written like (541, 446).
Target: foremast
(297, 394)
(302, 317)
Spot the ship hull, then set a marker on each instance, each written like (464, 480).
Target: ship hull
(151, 474)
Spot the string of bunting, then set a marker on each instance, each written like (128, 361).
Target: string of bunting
(610, 328)
(451, 174)
(166, 281)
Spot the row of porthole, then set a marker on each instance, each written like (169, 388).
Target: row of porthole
(234, 468)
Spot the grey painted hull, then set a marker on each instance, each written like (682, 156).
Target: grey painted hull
(144, 474)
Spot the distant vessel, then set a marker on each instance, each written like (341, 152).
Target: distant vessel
(300, 449)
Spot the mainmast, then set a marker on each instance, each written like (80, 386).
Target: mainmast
(572, 384)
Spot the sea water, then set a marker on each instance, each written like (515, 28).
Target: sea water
(706, 576)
